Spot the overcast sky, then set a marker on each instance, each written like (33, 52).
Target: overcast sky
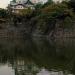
(4, 3)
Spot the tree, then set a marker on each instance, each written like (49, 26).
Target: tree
(72, 4)
(3, 13)
(25, 12)
(49, 2)
(52, 13)
(38, 6)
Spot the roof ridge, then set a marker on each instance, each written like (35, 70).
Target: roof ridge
(28, 1)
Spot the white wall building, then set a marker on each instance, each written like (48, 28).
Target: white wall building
(19, 5)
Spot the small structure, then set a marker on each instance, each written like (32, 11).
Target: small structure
(16, 7)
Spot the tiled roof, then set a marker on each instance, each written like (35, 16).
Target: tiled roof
(23, 4)
(29, 2)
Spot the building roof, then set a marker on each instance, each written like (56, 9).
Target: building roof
(19, 4)
(29, 2)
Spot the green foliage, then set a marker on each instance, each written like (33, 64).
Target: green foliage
(3, 13)
(49, 2)
(41, 25)
(67, 23)
(38, 6)
(46, 17)
(72, 4)
(25, 12)
(55, 9)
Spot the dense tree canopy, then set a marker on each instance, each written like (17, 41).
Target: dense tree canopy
(3, 13)
(72, 4)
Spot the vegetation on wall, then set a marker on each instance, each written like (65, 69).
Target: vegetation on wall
(44, 17)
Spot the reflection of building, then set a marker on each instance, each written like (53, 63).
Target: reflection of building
(23, 68)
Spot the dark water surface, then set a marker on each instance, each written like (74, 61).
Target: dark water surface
(37, 56)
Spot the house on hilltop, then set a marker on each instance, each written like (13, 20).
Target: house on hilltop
(15, 7)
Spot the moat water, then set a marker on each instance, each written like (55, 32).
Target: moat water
(37, 56)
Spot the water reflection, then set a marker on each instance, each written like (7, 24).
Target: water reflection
(37, 56)
(46, 72)
(5, 70)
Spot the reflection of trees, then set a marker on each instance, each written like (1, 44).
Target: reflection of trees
(40, 51)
